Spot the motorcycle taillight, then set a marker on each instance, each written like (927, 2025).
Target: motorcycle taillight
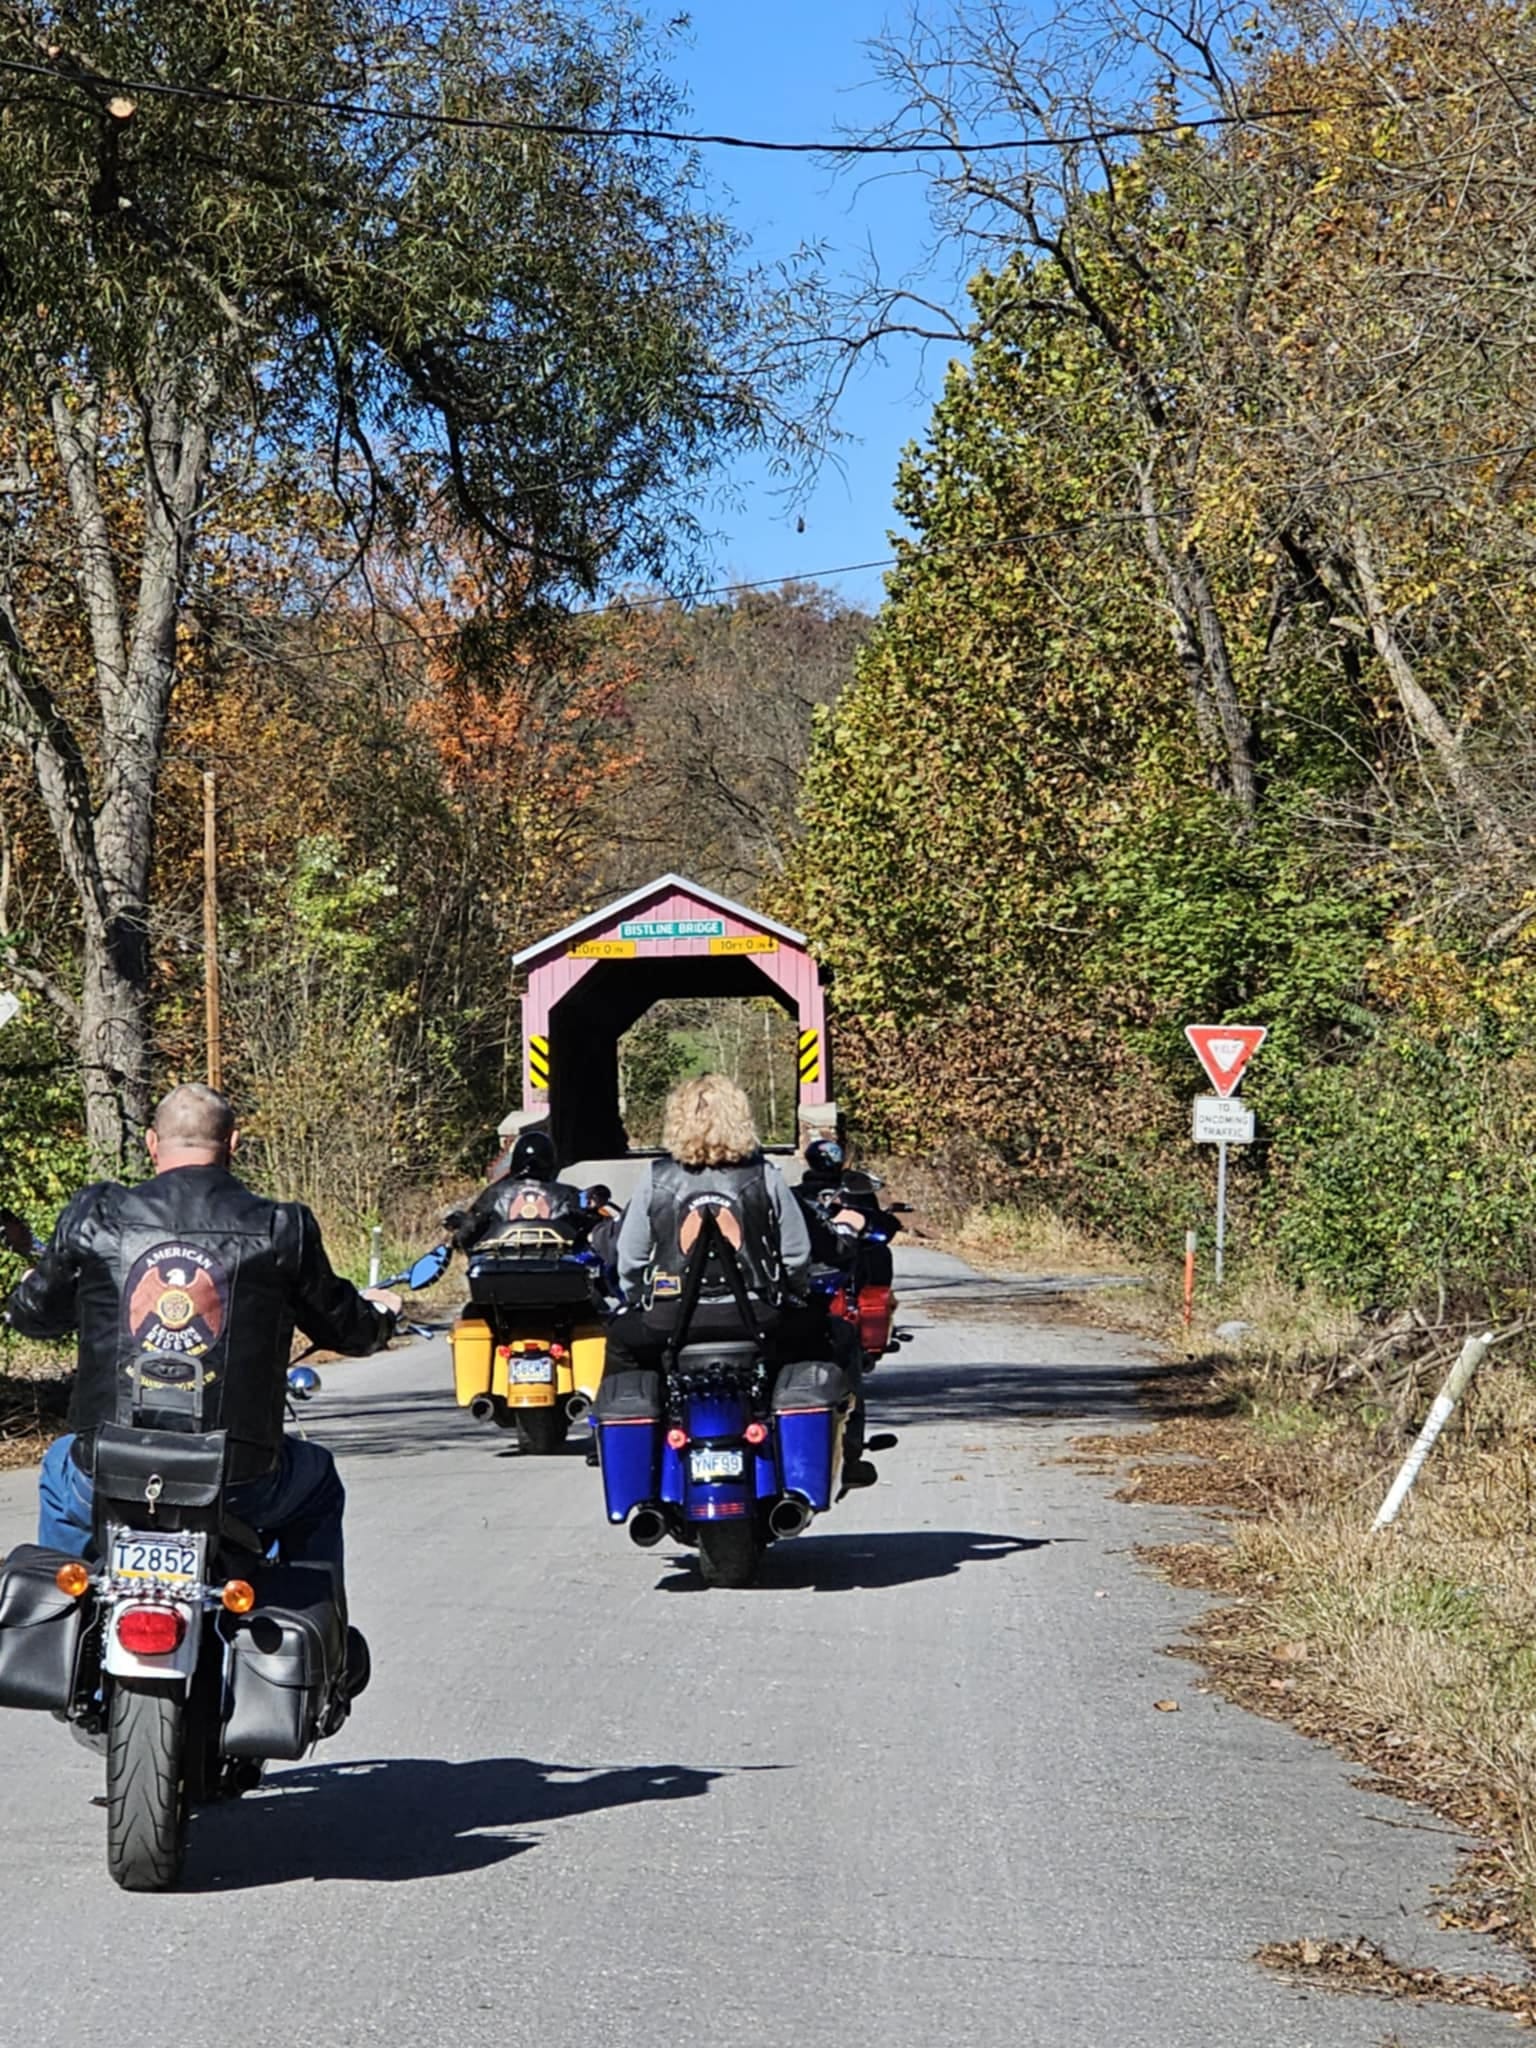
(151, 1631)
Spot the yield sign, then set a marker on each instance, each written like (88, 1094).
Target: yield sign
(1224, 1050)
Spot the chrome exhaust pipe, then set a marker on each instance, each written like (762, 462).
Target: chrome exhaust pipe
(578, 1406)
(647, 1526)
(789, 1517)
(483, 1407)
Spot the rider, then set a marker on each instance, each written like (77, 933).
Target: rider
(189, 1278)
(530, 1191)
(716, 1163)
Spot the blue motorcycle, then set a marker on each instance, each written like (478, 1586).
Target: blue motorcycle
(718, 1450)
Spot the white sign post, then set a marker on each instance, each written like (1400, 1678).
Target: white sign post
(1220, 1119)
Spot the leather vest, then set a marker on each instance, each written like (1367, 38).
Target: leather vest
(738, 1195)
(186, 1315)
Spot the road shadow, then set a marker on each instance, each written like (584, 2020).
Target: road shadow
(393, 1425)
(907, 1396)
(846, 1563)
(399, 1819)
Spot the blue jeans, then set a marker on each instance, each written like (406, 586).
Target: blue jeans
(299, 1503)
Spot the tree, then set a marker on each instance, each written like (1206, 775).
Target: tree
(340, 260)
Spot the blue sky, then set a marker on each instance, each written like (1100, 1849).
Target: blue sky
(793, 69)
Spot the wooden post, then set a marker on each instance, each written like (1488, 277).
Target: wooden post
(1189, 1278)
(211, 931)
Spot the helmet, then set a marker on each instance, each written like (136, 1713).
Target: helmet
(533, 1157)
(825, 1158)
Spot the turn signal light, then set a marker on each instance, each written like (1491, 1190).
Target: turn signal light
(72, 1579)
(238, 1596)
(756, 1433)
(677, 1439)
(151, 1631)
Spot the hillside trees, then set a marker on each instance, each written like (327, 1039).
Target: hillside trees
(244, 287)
(1234, 471)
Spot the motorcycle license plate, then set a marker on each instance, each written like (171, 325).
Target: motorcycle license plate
(530, 1372)
(707, 1465)
(158, 1560)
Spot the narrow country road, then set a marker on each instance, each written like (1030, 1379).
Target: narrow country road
(912, 1790)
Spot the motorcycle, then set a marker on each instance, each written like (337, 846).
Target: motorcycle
(859, 1290)
(717, 1450)
(183, 1646)
(188, 1649)
(528, 1349)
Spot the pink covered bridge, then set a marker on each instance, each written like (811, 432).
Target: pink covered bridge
(674, 938)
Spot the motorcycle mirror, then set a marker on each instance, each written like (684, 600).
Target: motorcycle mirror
(303, 1382)
(899, 1208)
(429, 1267)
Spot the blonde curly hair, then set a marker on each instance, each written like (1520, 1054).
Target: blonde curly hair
(709, 1123)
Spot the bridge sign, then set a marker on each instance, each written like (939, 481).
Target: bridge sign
(1224, 1050)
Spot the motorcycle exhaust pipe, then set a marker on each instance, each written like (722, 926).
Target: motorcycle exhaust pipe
(789, 1517)
(483, 1408)
(647, 1526)
(578, 1407)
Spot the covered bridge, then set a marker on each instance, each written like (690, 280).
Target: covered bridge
(674, 938)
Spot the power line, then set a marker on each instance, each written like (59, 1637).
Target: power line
(1071, 530)
(511, 124)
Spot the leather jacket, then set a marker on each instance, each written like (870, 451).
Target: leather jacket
(185, 1292)
(516, 1201)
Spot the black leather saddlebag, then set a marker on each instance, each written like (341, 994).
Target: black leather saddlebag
(812, 1383)
(40, 1631)
(286, 1657)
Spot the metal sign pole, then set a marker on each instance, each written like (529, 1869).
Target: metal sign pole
(1221, 1210)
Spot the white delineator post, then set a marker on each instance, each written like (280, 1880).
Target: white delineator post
(1473, 1352)
(375, 1254)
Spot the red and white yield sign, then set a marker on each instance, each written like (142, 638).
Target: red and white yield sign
(1224, 1050)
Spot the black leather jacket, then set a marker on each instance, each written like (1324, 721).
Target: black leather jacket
(185, 1292)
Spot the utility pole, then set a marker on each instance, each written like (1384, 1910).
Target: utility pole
(211, 930)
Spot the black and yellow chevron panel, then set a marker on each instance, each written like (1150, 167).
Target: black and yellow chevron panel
(538, 1061)
(810, 1058)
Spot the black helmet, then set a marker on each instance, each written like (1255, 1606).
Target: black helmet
(533, 1157)
(825, 1158)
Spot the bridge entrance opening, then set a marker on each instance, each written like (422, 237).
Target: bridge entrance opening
(672, 942)
(753, 1041)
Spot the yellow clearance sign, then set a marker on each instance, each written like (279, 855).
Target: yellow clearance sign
(747, 942)
(538, 1060)
(603, 949)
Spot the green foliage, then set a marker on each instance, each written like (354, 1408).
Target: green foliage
(1029, 851)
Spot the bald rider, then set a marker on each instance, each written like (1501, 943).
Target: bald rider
(183, 1294)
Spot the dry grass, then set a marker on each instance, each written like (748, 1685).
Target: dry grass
(1035, 1241)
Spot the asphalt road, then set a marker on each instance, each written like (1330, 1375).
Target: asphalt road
(912, 1790)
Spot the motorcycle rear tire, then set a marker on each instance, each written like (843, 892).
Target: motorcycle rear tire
(729, 1553)
(146, 1785)
(541, 1431)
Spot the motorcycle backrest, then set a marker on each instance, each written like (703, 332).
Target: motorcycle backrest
(732, 1355)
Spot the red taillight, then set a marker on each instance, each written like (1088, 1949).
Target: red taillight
(756, 1432)
(678, 1439)
(151, 1631)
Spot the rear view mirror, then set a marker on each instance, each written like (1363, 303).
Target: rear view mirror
(429, 1267)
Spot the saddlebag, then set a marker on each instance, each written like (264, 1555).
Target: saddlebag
(810, 1400)
(40, 1631)
(626, 1420)
(284, 1660)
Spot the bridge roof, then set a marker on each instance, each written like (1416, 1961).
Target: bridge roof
(613, 913)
